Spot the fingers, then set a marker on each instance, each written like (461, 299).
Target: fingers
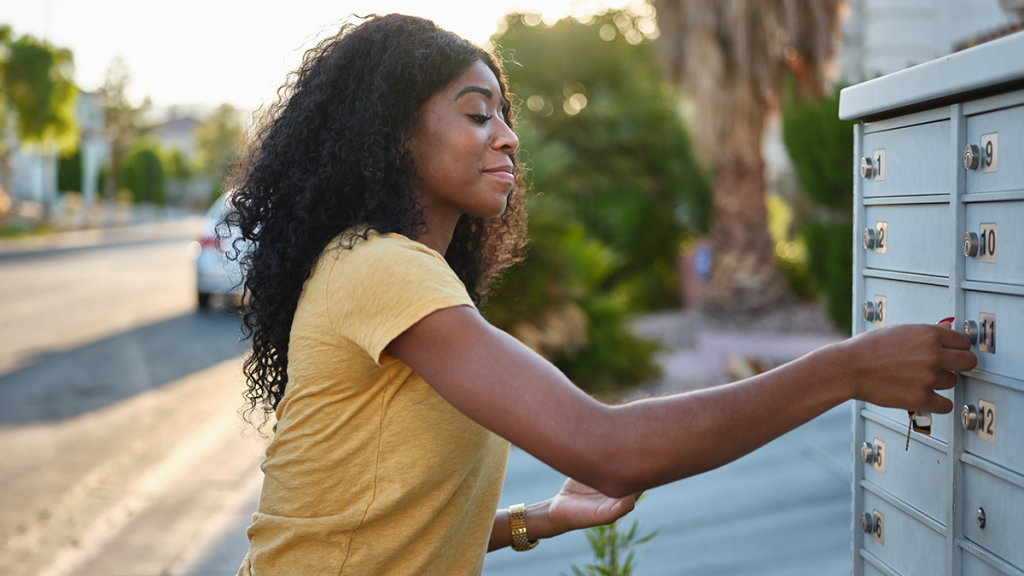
(939, 405)
(944, 381)
(958, 360)
(953, 339)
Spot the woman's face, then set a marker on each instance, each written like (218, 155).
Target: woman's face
(462, 148)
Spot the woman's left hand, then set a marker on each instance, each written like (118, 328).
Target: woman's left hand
(579, 506)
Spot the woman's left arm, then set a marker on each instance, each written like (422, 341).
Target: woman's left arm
(575, 506)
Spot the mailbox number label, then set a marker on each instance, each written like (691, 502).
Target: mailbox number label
(879, 463)
(883, 237)
(880, 311)
(987, 333)
(987, 243)
(879, 157)
(987, 420)
(879, 532)
(989, 152)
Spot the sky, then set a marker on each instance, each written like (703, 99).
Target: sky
(188, 52)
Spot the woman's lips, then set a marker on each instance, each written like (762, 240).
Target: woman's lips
(503, 173)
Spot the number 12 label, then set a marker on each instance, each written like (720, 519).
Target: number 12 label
(987, 420)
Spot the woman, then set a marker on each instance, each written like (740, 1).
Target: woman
(382, 194)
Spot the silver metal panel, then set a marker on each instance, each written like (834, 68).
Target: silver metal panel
(908, 303)
(1007, 358)
(980, 67)
(912, 240)
(911, 548)
(917, 475)
(985, 557)
(1004, 100)
(977, 567)
(1003, 504)
(912, 163)
(1007, 447)
(1004, 169)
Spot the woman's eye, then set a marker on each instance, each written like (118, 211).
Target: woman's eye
(480, 118)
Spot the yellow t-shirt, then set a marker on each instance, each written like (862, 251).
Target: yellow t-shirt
(371, 471)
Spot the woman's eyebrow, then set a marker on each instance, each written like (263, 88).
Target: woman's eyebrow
(474, 89)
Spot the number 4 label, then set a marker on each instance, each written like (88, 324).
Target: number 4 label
(987, 420)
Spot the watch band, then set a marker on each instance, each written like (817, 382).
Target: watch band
(517, 520)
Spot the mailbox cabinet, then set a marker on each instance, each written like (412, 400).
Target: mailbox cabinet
(939, 232)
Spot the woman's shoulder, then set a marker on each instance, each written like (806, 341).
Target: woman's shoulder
(362, 246)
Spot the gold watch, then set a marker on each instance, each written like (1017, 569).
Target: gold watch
(517, 519)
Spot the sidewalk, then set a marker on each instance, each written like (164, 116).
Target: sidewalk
(141, 224)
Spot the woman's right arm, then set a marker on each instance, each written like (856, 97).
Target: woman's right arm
(620, 450)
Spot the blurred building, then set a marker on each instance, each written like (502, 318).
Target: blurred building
(175, 130)
(34, 172)
(885, 36)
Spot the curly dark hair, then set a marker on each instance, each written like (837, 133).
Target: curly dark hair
(331, 153)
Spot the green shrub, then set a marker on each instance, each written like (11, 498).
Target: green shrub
(614, 553)
(143, 174)
(614, 192)
(821, 148)
(69, 171)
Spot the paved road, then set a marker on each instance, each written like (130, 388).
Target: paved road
(118, 431)
(121, 452)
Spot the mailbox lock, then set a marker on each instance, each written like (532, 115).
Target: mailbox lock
(969, 417)
(867, 169)
(870, 312)
(870, 238)
(867, 522)
(971, 156)
(970, 244)
(971, 331)
(979, 516)
(868, 453)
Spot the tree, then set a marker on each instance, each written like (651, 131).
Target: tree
(217, 142)
(732, 57)
(143, 173)
(123, 121)
(36, 89)
(616, 192)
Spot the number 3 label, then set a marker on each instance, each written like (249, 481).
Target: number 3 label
(987, 420)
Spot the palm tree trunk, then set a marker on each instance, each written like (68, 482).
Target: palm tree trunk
(744, 277)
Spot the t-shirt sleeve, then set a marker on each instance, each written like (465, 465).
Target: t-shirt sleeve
(378, 289)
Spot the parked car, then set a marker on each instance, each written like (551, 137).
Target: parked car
(216, 273)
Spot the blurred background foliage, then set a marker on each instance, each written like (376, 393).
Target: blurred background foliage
(820, 146)
(614, 191)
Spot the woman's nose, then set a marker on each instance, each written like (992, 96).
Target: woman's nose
(505, 139)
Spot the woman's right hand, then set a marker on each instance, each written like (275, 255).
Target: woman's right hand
(902, 366)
